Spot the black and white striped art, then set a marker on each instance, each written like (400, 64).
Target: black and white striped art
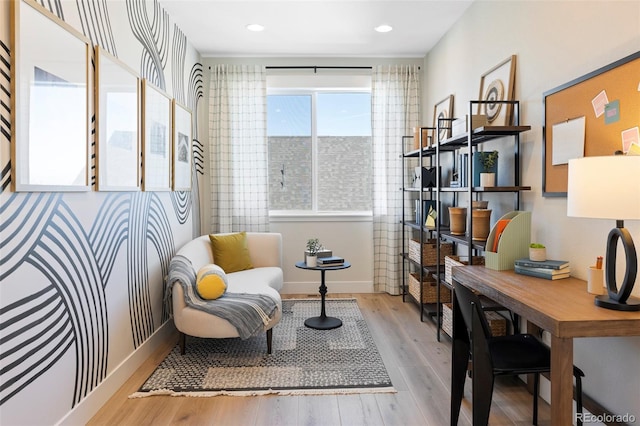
(82, 275)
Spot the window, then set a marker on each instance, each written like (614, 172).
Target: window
(319, 151)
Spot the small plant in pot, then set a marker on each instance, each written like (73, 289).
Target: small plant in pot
(488, 160)
(537, 252)
(311, 254)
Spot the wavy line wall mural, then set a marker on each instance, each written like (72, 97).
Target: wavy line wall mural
(82, 274)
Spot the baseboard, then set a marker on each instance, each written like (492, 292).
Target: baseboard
(89, 406)
(311, 287)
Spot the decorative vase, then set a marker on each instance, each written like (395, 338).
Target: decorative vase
(479, 204)
(312, 261)
(487, 179)
(458, 220)
(537, 254)
(481, 219)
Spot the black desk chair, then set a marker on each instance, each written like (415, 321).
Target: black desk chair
(502, 355)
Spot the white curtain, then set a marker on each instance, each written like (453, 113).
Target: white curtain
(238, 148)
(395, 110)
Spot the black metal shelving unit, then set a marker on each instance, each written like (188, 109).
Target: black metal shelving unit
(426, 309)
(470, 141)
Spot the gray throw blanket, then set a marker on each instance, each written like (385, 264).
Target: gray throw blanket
(248, 313)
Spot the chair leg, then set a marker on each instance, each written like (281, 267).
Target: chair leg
(183, 343)
(578, 375)
(269, 339)
(536, 392)
(483, 378)
(482, 393)
(460, 360)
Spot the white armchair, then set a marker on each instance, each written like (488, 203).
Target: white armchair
(266, 278)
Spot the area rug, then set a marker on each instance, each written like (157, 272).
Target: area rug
(303, 361)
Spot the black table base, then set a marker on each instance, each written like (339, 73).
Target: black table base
(323, 323)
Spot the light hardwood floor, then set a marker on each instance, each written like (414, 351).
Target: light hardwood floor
(418, 364)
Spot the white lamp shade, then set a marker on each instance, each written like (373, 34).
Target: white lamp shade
(604, 187)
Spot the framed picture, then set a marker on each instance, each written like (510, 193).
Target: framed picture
(50, 83)
(117, 124)
(182, 137)
(156, 139)
(443, 110)
(496, 86)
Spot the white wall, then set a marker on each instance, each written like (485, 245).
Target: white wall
(349, 237)
(555, 42)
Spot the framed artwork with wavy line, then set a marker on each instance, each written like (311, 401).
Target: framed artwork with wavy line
(182, 132)
(497, 86)
(156, 138)
(50, 81)
(117, 124)
(442, 115)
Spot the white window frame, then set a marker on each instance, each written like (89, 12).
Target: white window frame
(314, 213)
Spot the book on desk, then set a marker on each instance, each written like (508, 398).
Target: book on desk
(545, 273)
(545, 264)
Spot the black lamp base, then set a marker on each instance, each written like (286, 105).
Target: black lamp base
(631, 304)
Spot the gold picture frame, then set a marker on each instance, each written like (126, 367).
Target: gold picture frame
(443, 113)
(497, 86)
(50, 81)
(182, 137)
(117, 108)
(156, 138)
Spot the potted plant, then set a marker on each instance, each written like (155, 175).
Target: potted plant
(311, 254)
(488, 160)
(537, 252)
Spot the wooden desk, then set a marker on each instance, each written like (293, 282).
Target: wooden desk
(562, 307)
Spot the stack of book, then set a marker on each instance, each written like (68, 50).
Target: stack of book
(548, 269)
(330, 261)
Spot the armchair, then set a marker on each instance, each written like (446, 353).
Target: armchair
(265, 278)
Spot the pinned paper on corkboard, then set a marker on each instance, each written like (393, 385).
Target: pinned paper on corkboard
(630, 137)
(569, 137)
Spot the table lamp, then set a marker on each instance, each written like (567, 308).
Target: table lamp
(609, 188)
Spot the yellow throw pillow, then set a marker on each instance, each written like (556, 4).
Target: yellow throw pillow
(211, 282)
(231, 252)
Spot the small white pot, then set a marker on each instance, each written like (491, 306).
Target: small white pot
(538, 254)
(312, 261)
(487, 179)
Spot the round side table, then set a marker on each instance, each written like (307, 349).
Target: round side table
(323, 322)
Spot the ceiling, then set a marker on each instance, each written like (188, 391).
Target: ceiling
(314, 28)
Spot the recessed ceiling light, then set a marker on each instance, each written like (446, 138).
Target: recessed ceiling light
(255, 27)
(383, 28)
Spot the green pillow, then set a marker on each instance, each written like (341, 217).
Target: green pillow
(231, 252)
(211, 282)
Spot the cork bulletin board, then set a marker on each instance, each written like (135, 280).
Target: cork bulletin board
(596, 115)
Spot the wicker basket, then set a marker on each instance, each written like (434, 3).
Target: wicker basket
(497, 323)
(451, 261)
(429, 251)
(429, 289)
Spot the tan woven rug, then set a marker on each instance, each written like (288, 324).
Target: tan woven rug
(304, 360)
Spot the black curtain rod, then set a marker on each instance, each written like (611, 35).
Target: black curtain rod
(315, 68)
